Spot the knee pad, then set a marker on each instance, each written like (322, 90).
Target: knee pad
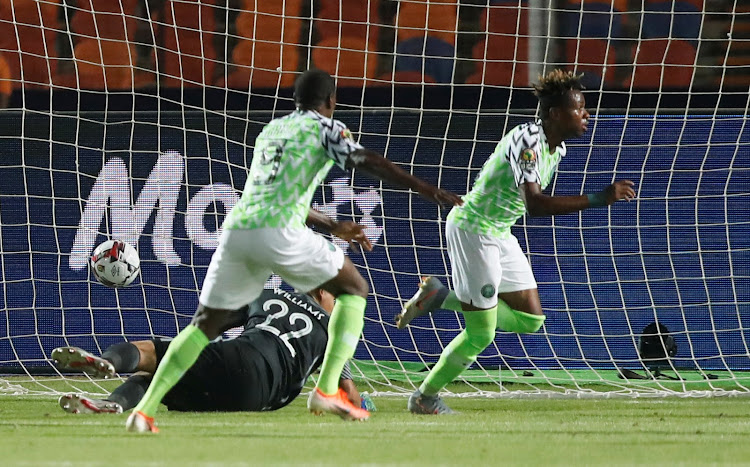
(517, 321)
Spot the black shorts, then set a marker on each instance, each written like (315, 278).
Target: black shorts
(230, 375)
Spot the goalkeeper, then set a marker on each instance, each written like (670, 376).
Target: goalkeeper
(264, 368)
(494, 285)
(265, 233)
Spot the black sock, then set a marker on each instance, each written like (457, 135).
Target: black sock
(130, 393)
(124, 356)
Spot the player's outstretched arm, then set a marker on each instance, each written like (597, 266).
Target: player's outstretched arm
(345, 230)
(377, 166)
(539, 204)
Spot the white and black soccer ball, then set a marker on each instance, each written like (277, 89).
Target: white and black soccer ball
(115, 263)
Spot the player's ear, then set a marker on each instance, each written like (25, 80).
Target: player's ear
(325, 299)
(331, 101)
(316, 294)
(554, 113)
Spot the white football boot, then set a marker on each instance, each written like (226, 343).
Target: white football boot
(139, 422)
(76, 403)
(77, 359)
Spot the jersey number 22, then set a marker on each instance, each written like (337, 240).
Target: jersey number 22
(295, 317)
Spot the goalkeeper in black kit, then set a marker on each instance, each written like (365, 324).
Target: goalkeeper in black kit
(265, 368)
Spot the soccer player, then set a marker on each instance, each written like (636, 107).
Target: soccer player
(495, 287)
(264, 368)
(265, 232)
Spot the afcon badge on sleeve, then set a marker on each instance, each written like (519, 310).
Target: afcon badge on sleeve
(527, 161)
(346, 134)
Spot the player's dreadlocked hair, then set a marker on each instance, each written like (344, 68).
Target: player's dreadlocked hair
(313, 88)
(552, 90)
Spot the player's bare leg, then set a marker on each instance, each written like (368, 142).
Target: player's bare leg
(526, 301)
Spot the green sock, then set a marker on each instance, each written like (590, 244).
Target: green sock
(512, 320)
(344, 329)
(462, 351)
(451, 302)
(182, 352)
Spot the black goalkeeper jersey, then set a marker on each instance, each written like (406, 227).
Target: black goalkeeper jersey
(290, 331)
(265, 367)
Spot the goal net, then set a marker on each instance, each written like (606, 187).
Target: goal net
(136, 120)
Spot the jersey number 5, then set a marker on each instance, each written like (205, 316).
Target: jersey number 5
(295, 317)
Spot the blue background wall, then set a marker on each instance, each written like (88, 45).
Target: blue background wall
(670, 255)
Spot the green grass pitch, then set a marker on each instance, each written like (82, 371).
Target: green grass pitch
(671, 431)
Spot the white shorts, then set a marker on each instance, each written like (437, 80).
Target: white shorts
(484, 266)
(245, 259)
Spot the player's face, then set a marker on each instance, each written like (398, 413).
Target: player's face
(574, 118)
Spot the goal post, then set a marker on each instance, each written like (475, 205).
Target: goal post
(154, 150)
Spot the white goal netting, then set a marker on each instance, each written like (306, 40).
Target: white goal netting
(135, 119)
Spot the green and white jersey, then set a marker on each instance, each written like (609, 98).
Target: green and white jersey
(494, 203)
(292, 156)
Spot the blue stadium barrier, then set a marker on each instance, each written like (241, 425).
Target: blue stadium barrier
(666, 256)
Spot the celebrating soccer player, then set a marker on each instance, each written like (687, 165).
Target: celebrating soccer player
(264, 368)
(265, 232)
(494, 284)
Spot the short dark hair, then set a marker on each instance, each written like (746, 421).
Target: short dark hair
(313, 88)
(552, 90)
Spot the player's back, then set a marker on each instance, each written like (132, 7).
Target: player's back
(291, 331)
(289, 162)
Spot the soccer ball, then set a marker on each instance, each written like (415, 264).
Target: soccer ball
(115, 263)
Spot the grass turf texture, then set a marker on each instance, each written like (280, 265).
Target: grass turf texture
(34, 431)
